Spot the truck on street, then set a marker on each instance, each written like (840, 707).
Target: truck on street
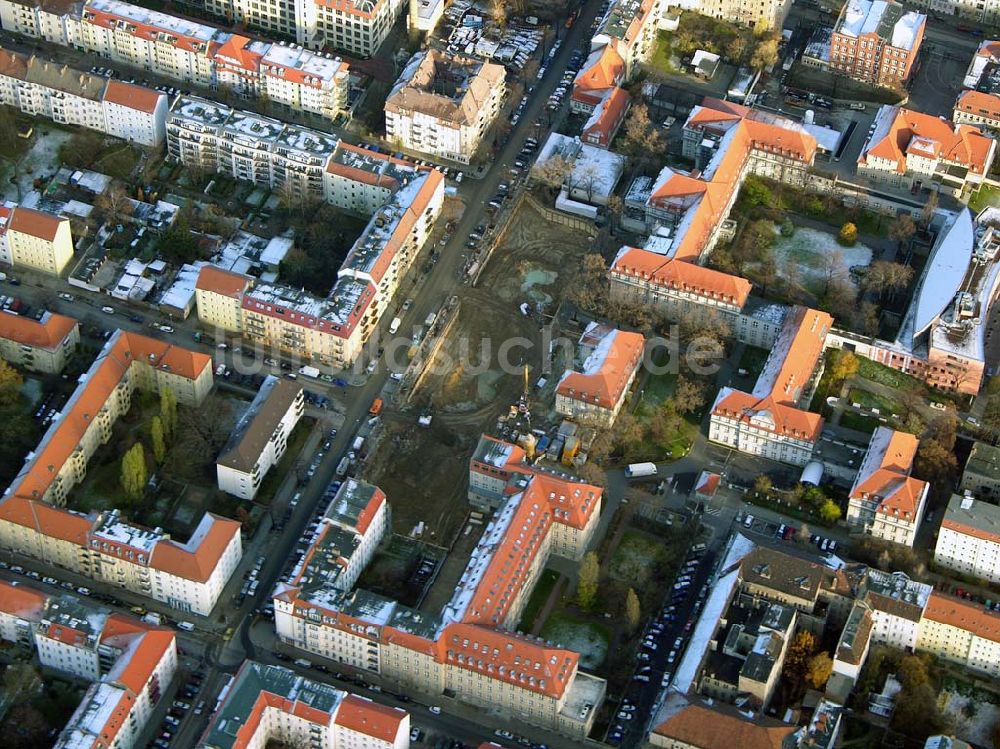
(639, 470)
(309, 372)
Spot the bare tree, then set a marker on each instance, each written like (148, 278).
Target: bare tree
(115, 204)
(552, 172)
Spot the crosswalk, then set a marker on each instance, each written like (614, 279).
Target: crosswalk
(714, 511)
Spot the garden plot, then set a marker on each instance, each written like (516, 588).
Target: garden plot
(819, 257)
(41, 158)
(585, 638)
(974, 719)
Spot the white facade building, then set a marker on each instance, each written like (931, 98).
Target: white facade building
(969, 538)
(443, 106)
(260, 438)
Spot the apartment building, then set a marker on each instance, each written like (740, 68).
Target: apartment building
(188, 576)
(876, 42)
(770, 421)
(977, 109)
(676, 289)
(276, 18)
(770, 14)
(962, 632)
(443, 105)
(684, 724)
(358, 28)
(968, 540)
(595, 391)
(606, 118)
(260, 437)
(37, 240)
(149, 40)
(468, 648)
(41, 345)
(981, 475)
(42, 88)
(263, 705)
(424, 15)
(910, 149)
(218, 296)
(492, 466)
(885, 501)
(287, 75)
(984, 11)
(727, 142)
(331, 330)
(129, 662)
(630, 27)
(599, 77)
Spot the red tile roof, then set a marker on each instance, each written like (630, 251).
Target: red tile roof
(682, 276)
(48, 333)
(615, 358)
(21, 601)
(888, 480)
(224, 282)
(979, 103)
(235, 49)
(516, 659)
(370, 718)
(35, 223)
(134, 97)
(366, 516)
(609, 115)
(787, 420)
(197, 559)
(799, 345)
(965, 615)
(604, 69)
(961, 144)
(704, 728)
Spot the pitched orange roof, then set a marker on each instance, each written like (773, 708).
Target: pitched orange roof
(965, 615)
(139, 667)
(197, 559)
(370, 718)
(607, 117)
(608, 369)
(366, 516)
(702, 727)
(716, 110)
(979, 103)
(227, 283)
(786, 420)
(884, 474)
(55, 522)
(47, 333)
(796, 352)
(961, 144)
(134, 97)
(22, 601)
(509, 657)
(35, 223)
(683, 276)
(603, 70)
(118, 628)
(235, 48)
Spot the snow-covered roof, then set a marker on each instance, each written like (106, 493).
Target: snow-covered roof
(945, 270)
(826, 137)
(906, 29)
(703, 632)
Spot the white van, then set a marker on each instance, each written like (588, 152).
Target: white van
(394, 325)
(186, 626)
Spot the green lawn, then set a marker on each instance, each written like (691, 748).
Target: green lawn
(888, 376)
(871, 400)
(753, 360)
(858, 422)
(660, 61)
(659, 387)
(546, 583)
(985, 196)
(587, 638)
